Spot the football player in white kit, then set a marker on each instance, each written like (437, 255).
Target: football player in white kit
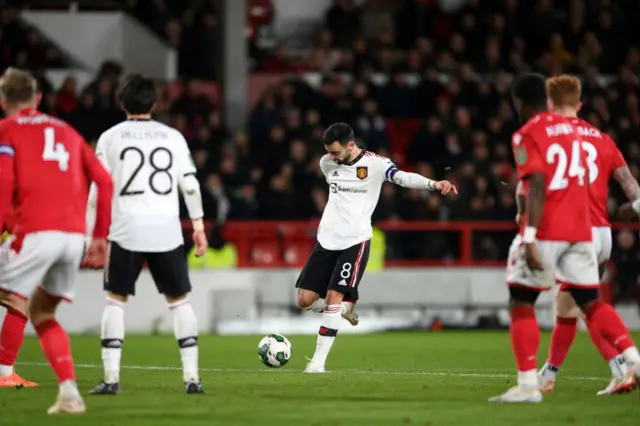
(328, 283)
(149, 161)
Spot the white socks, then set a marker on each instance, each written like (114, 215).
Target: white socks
(331, 319)
(631, 355)
(549, 372)
(618, 367)
(185, 328)
(112, 337)
(528, 380)
(69, 389)
(6, 370)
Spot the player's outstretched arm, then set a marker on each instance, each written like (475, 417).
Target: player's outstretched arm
(7, 179)
(416, 181)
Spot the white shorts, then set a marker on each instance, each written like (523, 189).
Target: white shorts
(602, 243)
(568, 264)
(49, 259)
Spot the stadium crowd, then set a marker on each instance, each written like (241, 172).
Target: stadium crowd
(384, 65)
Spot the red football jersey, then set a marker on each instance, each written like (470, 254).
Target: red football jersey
(603, 158)
(50, 166)
(549, 144)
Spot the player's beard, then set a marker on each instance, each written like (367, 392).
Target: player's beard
(347, 159)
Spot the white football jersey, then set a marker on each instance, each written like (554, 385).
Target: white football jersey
(147, 160)
(354, 190)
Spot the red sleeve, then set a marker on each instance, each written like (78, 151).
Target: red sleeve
(96, 173)
(527, 156)
(7, 177)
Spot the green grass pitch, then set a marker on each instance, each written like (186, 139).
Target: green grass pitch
(430, 379)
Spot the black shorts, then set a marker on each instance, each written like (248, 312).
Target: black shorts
(168, 269)
(339, 270)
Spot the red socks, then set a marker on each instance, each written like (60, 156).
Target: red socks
(606, 321)
(562, 338)
(11, 336)
(525, 337)
(606, 349)
(56, 347)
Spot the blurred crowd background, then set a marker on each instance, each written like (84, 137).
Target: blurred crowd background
(423, 82)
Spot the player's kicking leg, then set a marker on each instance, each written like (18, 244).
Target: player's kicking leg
(11, 338)
(342, 272)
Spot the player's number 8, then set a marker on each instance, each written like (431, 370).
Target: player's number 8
(153, 161)
(557, 154)
(346, 270)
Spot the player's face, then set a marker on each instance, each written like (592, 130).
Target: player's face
(340, 154)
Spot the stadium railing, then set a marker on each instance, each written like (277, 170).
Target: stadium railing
(286, 244)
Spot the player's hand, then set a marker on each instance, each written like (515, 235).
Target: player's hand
(532, 256)
(445, 187)
(96, 254)
(627, 212)
(200, 240)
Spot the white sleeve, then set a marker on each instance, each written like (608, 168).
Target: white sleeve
(405, 179)
(187, 181)
(324, 163)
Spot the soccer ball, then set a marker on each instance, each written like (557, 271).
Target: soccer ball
(274, 350)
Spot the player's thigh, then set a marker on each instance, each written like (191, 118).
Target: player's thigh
(169, 272)
(602, 243)
(349, 269)
(317, 271)
(519, 273)
(122, 270)
(60, 280)
(25, 262)
(578, 266)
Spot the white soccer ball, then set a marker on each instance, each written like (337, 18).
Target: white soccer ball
(274, 350)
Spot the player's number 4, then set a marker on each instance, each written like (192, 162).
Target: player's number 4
(54, 151)
(557, 154)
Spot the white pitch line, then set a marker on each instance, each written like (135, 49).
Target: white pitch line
(373, 372)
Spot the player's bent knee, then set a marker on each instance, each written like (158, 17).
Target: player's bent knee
(306, 298)
(566, 306)
(584, 296)
(122, 298)
(521, 296)
(334, 297)
(15, 302)
(175, 299)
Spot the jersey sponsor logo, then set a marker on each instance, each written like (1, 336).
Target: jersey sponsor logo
(334, 187)
(362, 172)
(520, 154)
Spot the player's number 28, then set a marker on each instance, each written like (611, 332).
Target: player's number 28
(558, 155)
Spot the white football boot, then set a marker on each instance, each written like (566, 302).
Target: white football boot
(312, 367)
(546, 384)
(348, 312)
(619, 386)
(519, 394)
(73, 405)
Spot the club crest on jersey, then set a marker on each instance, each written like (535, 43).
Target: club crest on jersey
(362, 172)
(520, 154)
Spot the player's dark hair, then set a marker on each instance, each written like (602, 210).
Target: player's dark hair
(530, 89)
(137, 94)
(340, 132)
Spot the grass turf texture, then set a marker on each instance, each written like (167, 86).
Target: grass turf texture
(429, 379)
